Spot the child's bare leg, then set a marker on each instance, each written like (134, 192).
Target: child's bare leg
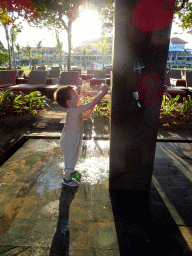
(70, 162)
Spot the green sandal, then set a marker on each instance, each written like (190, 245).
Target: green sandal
(72, 182)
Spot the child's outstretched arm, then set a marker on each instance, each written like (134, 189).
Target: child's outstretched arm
(87, 113)
(89, 106)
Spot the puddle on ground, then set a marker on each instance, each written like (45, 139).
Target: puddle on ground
(93, 162)
(40, 145)
(39, 163)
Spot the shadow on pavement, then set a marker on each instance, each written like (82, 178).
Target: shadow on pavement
(141, 229)
(60, 243)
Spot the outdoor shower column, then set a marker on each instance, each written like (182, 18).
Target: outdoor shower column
(140, 51)
(141, 42)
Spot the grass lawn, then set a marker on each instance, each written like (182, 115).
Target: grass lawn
(26, 69)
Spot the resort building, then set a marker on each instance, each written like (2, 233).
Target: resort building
(178, 54)
(93, 55)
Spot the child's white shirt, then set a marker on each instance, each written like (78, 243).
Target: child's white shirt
(71, 139)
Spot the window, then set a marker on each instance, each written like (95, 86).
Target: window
(92, 57)
(76, 57)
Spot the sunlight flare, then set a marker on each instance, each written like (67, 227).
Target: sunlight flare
(87, 27)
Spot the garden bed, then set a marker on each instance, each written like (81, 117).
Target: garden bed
(172, 119)
(10, 122)
(175, 123)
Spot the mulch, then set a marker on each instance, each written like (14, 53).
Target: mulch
(177, 124)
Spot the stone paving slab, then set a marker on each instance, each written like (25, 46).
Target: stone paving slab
(53, 121)
(30, 192)
(34, 222)
(23, 250)
(32, 198)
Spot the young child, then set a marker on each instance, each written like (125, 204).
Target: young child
(71, 136)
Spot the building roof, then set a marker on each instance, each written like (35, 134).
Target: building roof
(50, 49)
(177, 40)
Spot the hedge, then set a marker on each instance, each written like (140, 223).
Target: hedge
(180, 66)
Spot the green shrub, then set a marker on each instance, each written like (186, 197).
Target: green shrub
(168, 105)
(186, 108)
(4, 57)
(3, 68)
(180, 66)
(103, 109)
(18, 103)
(18, 67)
(183, 66)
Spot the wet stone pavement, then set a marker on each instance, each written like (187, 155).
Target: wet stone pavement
(30, 198)
(39, 216)
(38, 213)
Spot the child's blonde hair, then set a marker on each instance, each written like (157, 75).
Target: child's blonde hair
(62, 95)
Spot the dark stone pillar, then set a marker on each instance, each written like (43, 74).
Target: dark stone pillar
(141, 38)
(142, 35)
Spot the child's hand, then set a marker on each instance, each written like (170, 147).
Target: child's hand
(105, 89)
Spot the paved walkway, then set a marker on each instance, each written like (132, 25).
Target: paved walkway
(39, 216)
(37, 212)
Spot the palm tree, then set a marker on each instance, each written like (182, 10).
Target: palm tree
(43, 53)
(85, 51)
(5, 20)
(55, 57)
(13, 33)
(28, 48)
(39, 49)
(18, 47)
(59, 47)
(8, 44)
(103, 47)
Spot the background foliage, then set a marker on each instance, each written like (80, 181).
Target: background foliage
(4, 57)
(17, 103)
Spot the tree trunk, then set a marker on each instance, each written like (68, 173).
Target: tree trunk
(19, 58)
(60, 58)
(7, 37)
(103, 61)
(14, 57)
(39, 63)
(69, 44)
(29, 60)
(84, 63)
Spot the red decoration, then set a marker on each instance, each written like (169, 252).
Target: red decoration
(153, 15)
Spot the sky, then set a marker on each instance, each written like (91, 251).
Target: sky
(87, 27)
(176, 31)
